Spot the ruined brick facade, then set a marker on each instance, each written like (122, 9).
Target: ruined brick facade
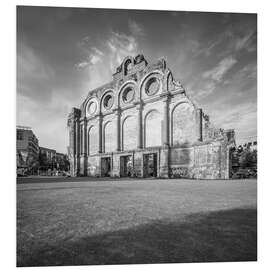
(142, 124)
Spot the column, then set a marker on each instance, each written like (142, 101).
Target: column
(77, 171)
(166, 139)
(118, 129)
(77, 131)
(164, 169)
(100, 134)
(85, 146)
(199, 124)
(139, 141)
(83, 139)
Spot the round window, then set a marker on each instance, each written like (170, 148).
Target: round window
(92, 107)
(128, 94)
(152, 86)
(108, 102)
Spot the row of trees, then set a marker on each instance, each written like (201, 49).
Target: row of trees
(244, 162)
(61, 164)
(28, 164)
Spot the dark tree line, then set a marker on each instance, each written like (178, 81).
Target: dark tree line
(244, 162)
(61, 164)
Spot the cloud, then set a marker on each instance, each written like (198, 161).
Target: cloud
(206, 50)
(114, 48)
(211, 80)
(94, 57)
(208, 89)
(120, 45)
(97, 51)
(34, 76)
(242, 118)
(91, 54)
(82, 64)
(246, 42)
(39, 91)
(230, 41)
(136, 29)
(100, 60)
(46, 119)
(248, 73)
(217, 73)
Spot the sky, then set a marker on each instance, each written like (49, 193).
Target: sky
(63, 53)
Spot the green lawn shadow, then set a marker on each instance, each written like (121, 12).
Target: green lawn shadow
(220, 236)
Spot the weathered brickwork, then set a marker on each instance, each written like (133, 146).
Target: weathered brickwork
(142, 124)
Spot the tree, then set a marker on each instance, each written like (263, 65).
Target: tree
(248, 158)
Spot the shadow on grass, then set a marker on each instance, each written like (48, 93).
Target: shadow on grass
(229, 235)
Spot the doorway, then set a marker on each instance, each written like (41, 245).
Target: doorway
(106, 167)
(126, 166)
(150, 165)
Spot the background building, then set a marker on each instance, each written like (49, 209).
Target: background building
(27, 147)
(50, 159)
(48, 154)
(143, 124)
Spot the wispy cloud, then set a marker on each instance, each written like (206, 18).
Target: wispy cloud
(115, 48)
(218, 72)
(136, 29)
(210, 46)
(82, 64)
(211, 80)
(243, 75)
(120, 45)
(246, 41)
(97, 51)
(92, 59)
(93, 54)
(232, 41)
(33, 74)
(242, 118)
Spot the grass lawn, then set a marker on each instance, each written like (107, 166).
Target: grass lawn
(122, 222)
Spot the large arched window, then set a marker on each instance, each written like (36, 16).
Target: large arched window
(183, 124)
(129, 133)
(152, 129)
(109, 137)
(92, 140)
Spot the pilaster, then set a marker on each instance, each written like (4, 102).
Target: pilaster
(100, 133)
(139, 107)
(117, 112)
(166, 137)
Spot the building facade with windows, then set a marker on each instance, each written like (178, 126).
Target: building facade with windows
(27, 147)
(143, 124)
(49, 158)
(49, 154)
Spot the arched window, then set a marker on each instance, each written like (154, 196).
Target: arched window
(129, 133)
(109, 139)
(152, 129)
(92, 140)
(183, 124)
